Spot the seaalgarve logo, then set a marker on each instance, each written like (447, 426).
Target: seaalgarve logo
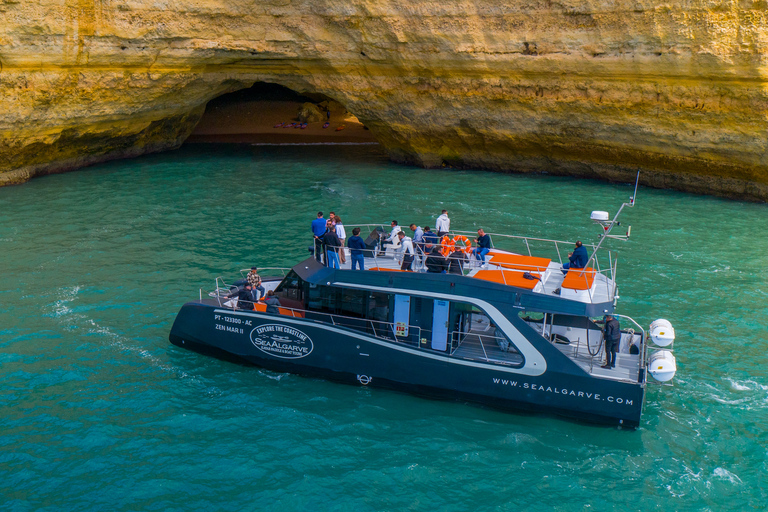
(281, 341)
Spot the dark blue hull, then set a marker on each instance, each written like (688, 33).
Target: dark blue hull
(309, 347)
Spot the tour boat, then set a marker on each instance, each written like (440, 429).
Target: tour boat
(515, 333)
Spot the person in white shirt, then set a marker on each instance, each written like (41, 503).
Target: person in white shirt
(393, 239)
(342, 236)
(406, 247)
(443, 225)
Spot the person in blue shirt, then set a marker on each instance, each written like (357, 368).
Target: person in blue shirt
(356, 245)
(483, 245)
(318, 229)
(576, 259)
(429, 237)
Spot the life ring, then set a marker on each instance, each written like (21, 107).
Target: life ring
(467, 243)
(446, 245)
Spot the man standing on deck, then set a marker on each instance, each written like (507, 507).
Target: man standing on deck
(318, 230)
(612, 335)
(332, 245)
(406, 247)
(418, 239)
(356, 246)
(443, 225)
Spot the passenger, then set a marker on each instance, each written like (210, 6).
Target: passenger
(443, 225)
(244, 297)
(332, 245)
(429, 237)
(332, 218)
(612, 336)
(406, 247)
(342, 234)
(272, 302)
(576, 259)
(418, 234)
(318, 229)
(483, 246)
(456, 262)
(393, 239)
(435, 261)
(255, 280)
(418, 240)
(356, 246)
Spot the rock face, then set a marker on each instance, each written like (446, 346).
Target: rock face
(594, 88)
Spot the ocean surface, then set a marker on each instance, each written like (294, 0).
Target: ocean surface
(100, 412)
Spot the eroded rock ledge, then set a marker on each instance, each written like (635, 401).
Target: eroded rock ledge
(583, 87)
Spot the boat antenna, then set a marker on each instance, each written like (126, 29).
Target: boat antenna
(609, 224)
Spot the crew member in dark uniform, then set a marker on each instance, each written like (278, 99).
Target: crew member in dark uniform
(612, 336)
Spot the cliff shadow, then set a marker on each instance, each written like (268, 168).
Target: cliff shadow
(269, 113)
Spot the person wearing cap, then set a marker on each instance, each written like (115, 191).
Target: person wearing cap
(255, 281)
(244, 297)
(612, 336)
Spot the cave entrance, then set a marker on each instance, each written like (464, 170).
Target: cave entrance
(273, 114)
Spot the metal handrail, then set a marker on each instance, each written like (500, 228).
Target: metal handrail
(333, 317)
(643, 345)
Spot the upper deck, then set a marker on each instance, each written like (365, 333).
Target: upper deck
(530, 264)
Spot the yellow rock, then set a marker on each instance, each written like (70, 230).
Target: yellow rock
(583, 87)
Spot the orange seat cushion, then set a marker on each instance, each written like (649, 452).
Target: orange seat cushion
(260, 306)
(508, 277)
(579, 279)
(387, 269)
(520, 262)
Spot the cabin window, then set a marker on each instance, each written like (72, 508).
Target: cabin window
(378, 306)
(476, 336)
(290, 287)
(321, 298)
(352, 302)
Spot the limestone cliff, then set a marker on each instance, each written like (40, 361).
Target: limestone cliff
(587, 87)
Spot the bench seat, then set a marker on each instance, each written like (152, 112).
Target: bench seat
(509, 278)
(579, 279)
(519, 261)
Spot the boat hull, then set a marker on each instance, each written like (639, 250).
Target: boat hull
(312, 348)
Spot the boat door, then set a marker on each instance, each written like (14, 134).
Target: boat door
(440, 312)
(402, 315)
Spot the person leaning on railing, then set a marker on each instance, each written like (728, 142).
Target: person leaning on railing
(406, 247)
(435, 262)
(318, 230)
(244, 296)
(332, 245)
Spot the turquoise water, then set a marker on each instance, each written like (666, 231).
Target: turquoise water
(101, 412)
